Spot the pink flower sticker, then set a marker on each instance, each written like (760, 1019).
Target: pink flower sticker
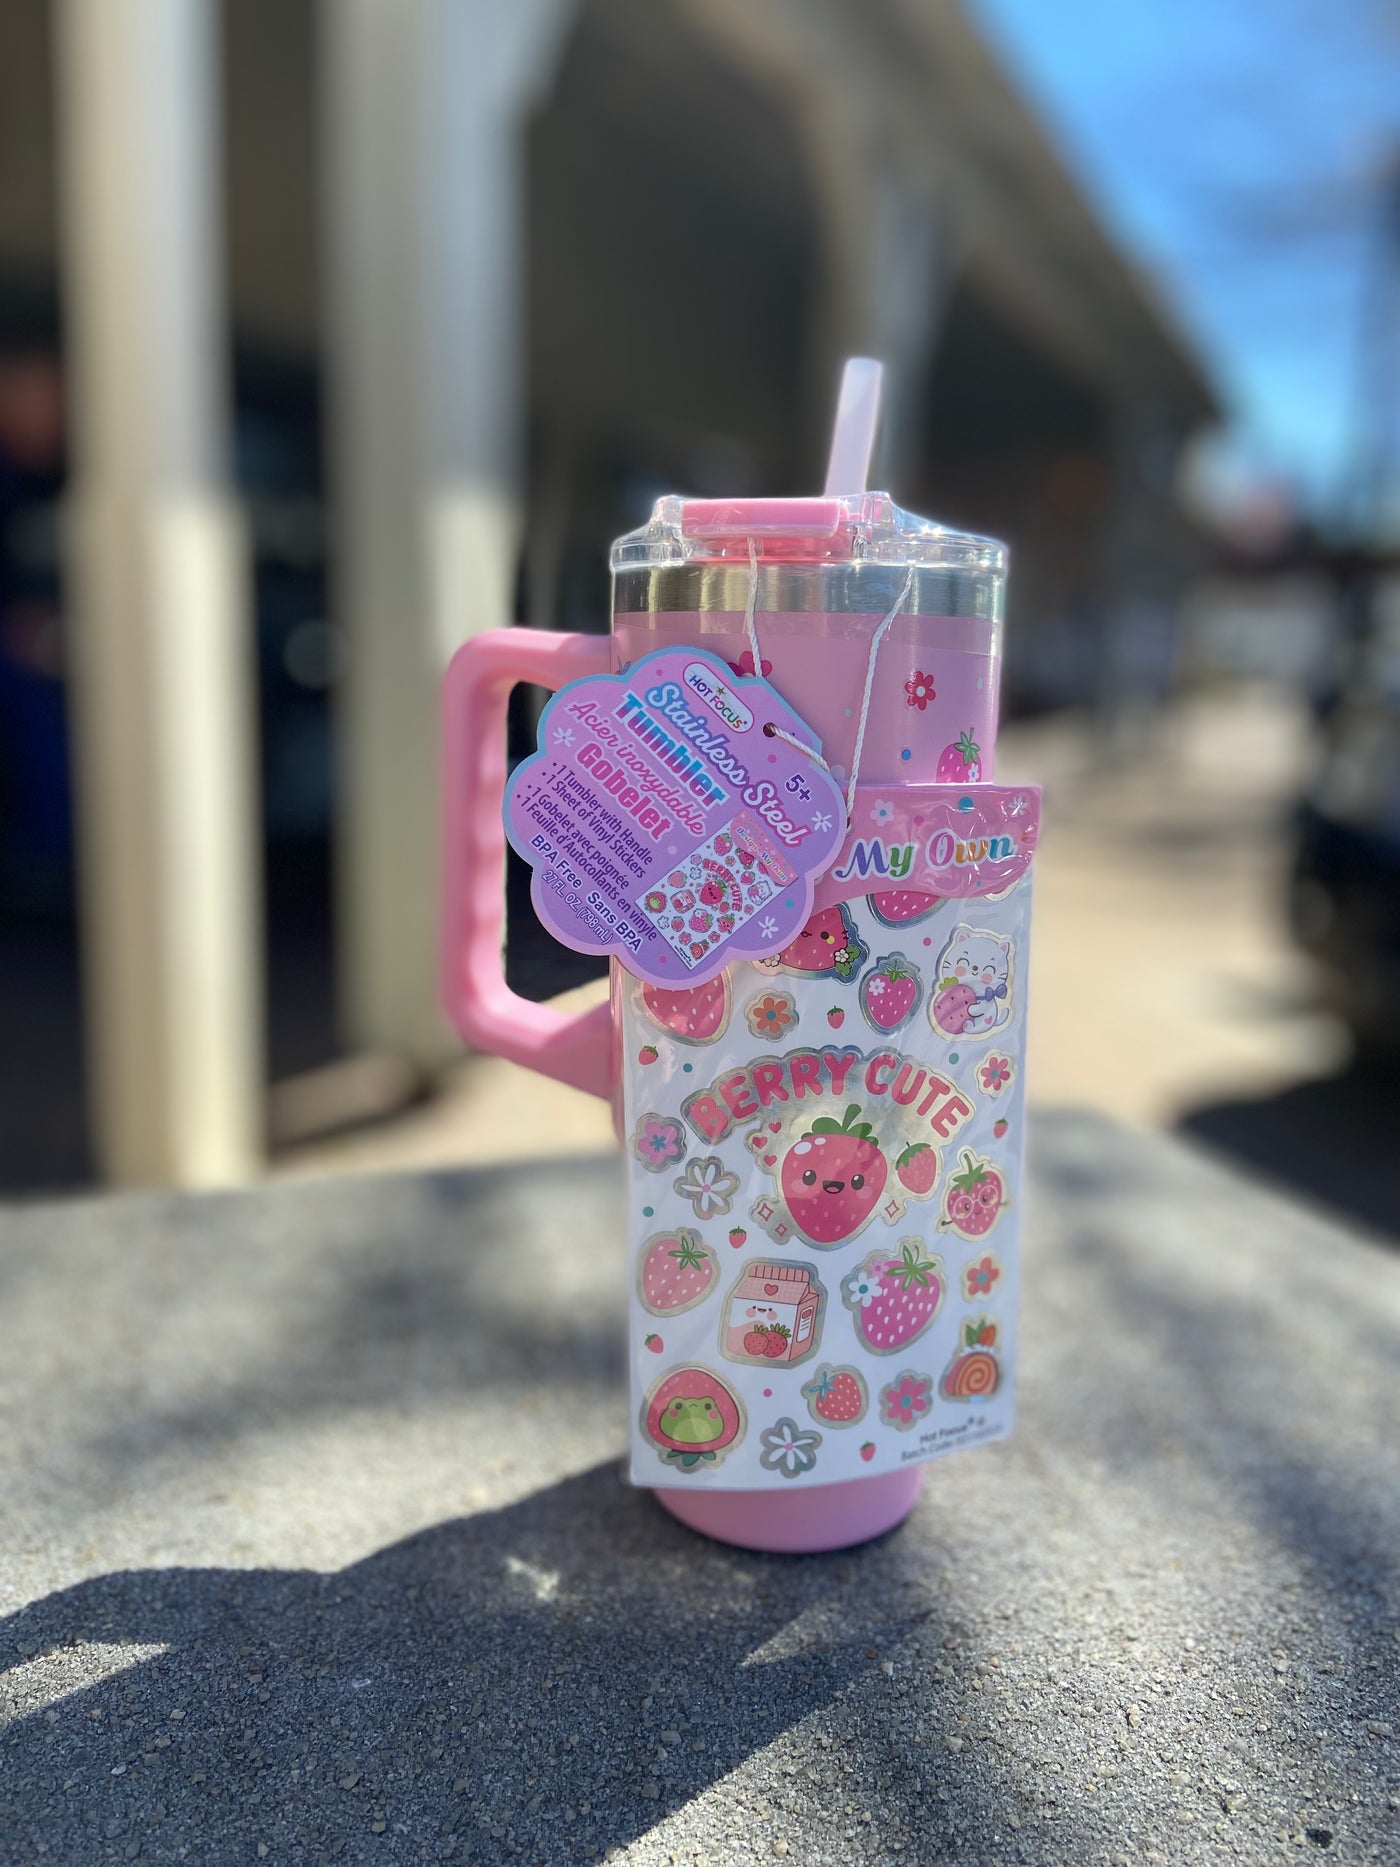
(744, 665)
(996, 1072)
(657, 1141)
(920, 690)
(980, 1277)
(907, 1399)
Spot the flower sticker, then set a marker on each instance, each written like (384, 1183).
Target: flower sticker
(882, 811)
(657, 1141)
(864, 1285)
(920, 690)
(744, 665)
(996, 1072)
(907, 1399)
(979, 1277)
(709, 1186)
(772, 1014)
(788, 1449)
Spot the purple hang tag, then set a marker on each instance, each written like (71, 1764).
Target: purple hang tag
(665, 826)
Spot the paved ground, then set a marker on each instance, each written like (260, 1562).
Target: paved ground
(312, 1548)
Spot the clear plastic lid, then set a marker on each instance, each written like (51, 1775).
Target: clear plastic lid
(848, 529)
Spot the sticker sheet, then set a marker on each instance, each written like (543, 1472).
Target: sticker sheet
(824, 1181)
(718, 888)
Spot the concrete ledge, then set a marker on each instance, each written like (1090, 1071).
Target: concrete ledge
(278, 1571)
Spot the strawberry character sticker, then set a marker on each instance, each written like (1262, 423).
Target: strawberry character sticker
(890, 993)
(974, 1197)
(693, 1418)
(827, 943)
(837, 1395)
(894, 1296)
(974, 1373)
(675, 1272)
(772, 1314)
(832, 1178)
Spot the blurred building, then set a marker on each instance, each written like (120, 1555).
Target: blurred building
(493, 279)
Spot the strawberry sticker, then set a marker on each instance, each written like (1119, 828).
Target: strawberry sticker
(697, 1014)
(917, 1169)
(828, 943)
(837, 1396)
(833, 1177)
(901, 907)
(693, 1418)
(889, 993)
(973, 1198)
(677, 1272)
(894, 1296)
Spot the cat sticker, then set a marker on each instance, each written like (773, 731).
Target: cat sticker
(972, 994)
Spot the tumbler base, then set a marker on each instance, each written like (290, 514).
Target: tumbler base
(822, 1517)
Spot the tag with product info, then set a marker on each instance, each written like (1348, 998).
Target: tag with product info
(666, 824)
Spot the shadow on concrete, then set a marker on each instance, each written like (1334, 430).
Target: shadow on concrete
(537, 1683)
(1336, 1141)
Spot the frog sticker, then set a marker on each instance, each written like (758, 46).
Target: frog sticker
(693, 1418)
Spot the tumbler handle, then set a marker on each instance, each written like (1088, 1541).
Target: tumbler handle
(574, 1048)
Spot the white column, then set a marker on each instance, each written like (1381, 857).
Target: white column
(163, 652)
(424, 107)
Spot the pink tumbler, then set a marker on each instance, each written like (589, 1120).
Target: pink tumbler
(817, 576)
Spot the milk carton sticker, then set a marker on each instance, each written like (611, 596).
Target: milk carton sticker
(772, 1316)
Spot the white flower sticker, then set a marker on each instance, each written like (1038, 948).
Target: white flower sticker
(864, 1284)
(709, 1186)
(788, 1449)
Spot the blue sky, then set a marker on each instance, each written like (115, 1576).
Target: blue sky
(1236, 148)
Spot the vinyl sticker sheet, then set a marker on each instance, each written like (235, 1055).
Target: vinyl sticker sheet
(824, 1170)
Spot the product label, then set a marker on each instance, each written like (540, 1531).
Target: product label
(824, 1160)
(666, 824)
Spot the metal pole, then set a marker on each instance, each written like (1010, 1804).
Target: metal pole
(162, 696)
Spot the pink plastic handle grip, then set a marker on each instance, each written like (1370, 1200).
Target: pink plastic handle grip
(489, 1015)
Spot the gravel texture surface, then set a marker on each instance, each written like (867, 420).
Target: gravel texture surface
(313, 1548)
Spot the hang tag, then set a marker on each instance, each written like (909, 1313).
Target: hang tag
(665, 825)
